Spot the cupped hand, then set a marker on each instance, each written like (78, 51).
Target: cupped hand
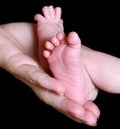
(18, 56)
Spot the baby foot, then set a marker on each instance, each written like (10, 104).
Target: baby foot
(64, 58)
(47, 26)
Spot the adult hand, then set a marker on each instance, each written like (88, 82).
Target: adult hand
(18, 56)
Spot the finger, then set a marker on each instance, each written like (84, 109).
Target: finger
(35, 76)
(89, 118)
(71, 109)
(92, 113)
(93, 108)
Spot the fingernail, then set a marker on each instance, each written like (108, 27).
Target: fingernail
(94, 125)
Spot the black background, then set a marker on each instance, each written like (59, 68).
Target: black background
(97, 24)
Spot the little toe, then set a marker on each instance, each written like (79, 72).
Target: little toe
(49, 45)
(46, 53)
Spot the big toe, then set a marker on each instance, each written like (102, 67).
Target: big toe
(74, 39)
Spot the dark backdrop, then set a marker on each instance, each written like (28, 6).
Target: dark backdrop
(98, 26)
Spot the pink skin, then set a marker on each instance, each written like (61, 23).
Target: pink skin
(64, 58)
(47, 26)
(30, 72)
(51, 38)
